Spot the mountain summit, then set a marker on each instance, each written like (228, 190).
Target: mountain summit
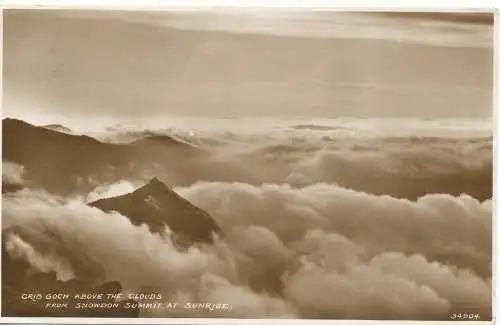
(63, 163)
(157, 206)
(155, 186)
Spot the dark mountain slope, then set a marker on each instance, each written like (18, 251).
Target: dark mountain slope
(19, 278)
(158, 206)
(54, 160)
(67, 164)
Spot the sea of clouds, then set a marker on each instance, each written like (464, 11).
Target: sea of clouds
(300, 249)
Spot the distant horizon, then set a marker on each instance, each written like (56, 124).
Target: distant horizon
(45, 120)
(372, 127)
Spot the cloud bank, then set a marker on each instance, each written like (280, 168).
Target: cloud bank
(318, 252)
(405, 159)
(319, 220)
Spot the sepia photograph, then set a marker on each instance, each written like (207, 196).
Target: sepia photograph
(246, 163)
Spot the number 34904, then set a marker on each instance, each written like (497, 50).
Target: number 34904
(465, 316)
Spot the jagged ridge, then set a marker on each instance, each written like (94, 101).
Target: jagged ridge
(157, 206)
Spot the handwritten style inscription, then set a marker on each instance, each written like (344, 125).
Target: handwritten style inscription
(109, 301)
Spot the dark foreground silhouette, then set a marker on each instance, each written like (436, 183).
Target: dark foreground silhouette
(30, 293)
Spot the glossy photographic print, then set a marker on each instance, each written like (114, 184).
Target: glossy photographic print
(247, 164)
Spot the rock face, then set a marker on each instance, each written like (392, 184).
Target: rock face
(158, 206)
(11, 187)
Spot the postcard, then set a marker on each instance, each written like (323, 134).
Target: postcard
(236, 164)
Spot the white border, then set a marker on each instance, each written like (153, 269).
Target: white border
(496, 177)
(352, 4)
(427, 5)
(387, 5)
(238, 321)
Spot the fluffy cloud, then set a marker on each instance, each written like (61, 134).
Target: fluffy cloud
(111, 190)
(441, 226)
(101, 246)
(321, 251)
(12, 174)
(316, 223)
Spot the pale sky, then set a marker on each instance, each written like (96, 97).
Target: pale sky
(247, 63)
